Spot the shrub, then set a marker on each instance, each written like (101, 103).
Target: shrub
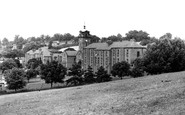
(77, 72)
(102, 76)
(15, 79)
(8, 64)
(89, 76)
(121, 69)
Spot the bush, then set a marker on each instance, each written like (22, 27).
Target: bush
(8, 64)
(121, 69)
(15, 79)
(102, 76)
(136, 72)
(77, 72)
(138, 68)
(89, 76)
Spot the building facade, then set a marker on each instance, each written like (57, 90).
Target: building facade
(103, 54)
(68, 58)
(44, 54)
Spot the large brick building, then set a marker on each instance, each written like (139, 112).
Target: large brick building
(106, 55)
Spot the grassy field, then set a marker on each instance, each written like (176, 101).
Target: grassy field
(34, 84)
(151, 95)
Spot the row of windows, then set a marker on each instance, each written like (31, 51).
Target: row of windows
(100, 58)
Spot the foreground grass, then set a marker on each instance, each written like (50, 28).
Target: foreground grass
(156, 95)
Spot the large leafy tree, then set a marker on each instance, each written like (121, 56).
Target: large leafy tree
(101, 75)
(5, 41)
(112, 38)
(89, 75)
(7, 64)
(137, 35)
(19, 41)
(15, 79)
(121, 69)
(13, 53)
(166, 55)
(53, 72)
(76, 72)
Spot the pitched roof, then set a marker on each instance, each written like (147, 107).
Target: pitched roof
(71, 53)
(98, 46)
(123, 44)
(30, 52)
(74, 47)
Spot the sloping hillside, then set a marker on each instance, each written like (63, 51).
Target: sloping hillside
(160, 94)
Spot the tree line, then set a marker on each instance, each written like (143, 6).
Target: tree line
(51, 72)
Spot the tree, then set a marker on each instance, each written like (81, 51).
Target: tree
(31, 73)
(53, 72)
(137, 35)
(33, 63)
(166, 36)
(19, 41)
(47, 38)
(5, 41)
(15, 79)
(166, 55)
(94, 39)
(89, 76)
(138, 68)
(13, 53)
(8, 64)
(102, 76)
(121, 69)
(67, 37)
(77, 72)
(30, 46)
(19, 65)
(114, 38)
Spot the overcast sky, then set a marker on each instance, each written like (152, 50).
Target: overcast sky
(102, 17)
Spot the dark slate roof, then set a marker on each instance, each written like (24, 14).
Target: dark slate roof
(123, 44)
(71, 53)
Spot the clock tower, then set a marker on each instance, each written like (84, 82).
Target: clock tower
(84, 38)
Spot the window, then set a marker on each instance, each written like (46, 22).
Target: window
(127, 52)
(138, 53)
(117, 52)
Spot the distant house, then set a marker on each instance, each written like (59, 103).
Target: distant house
(29, 55)
(42, 53)
(68, 58)
(62, 43)
(55, 43)
(3, 83)
(45, 54)
(56, 55)
(14, 47)
(70, 42)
